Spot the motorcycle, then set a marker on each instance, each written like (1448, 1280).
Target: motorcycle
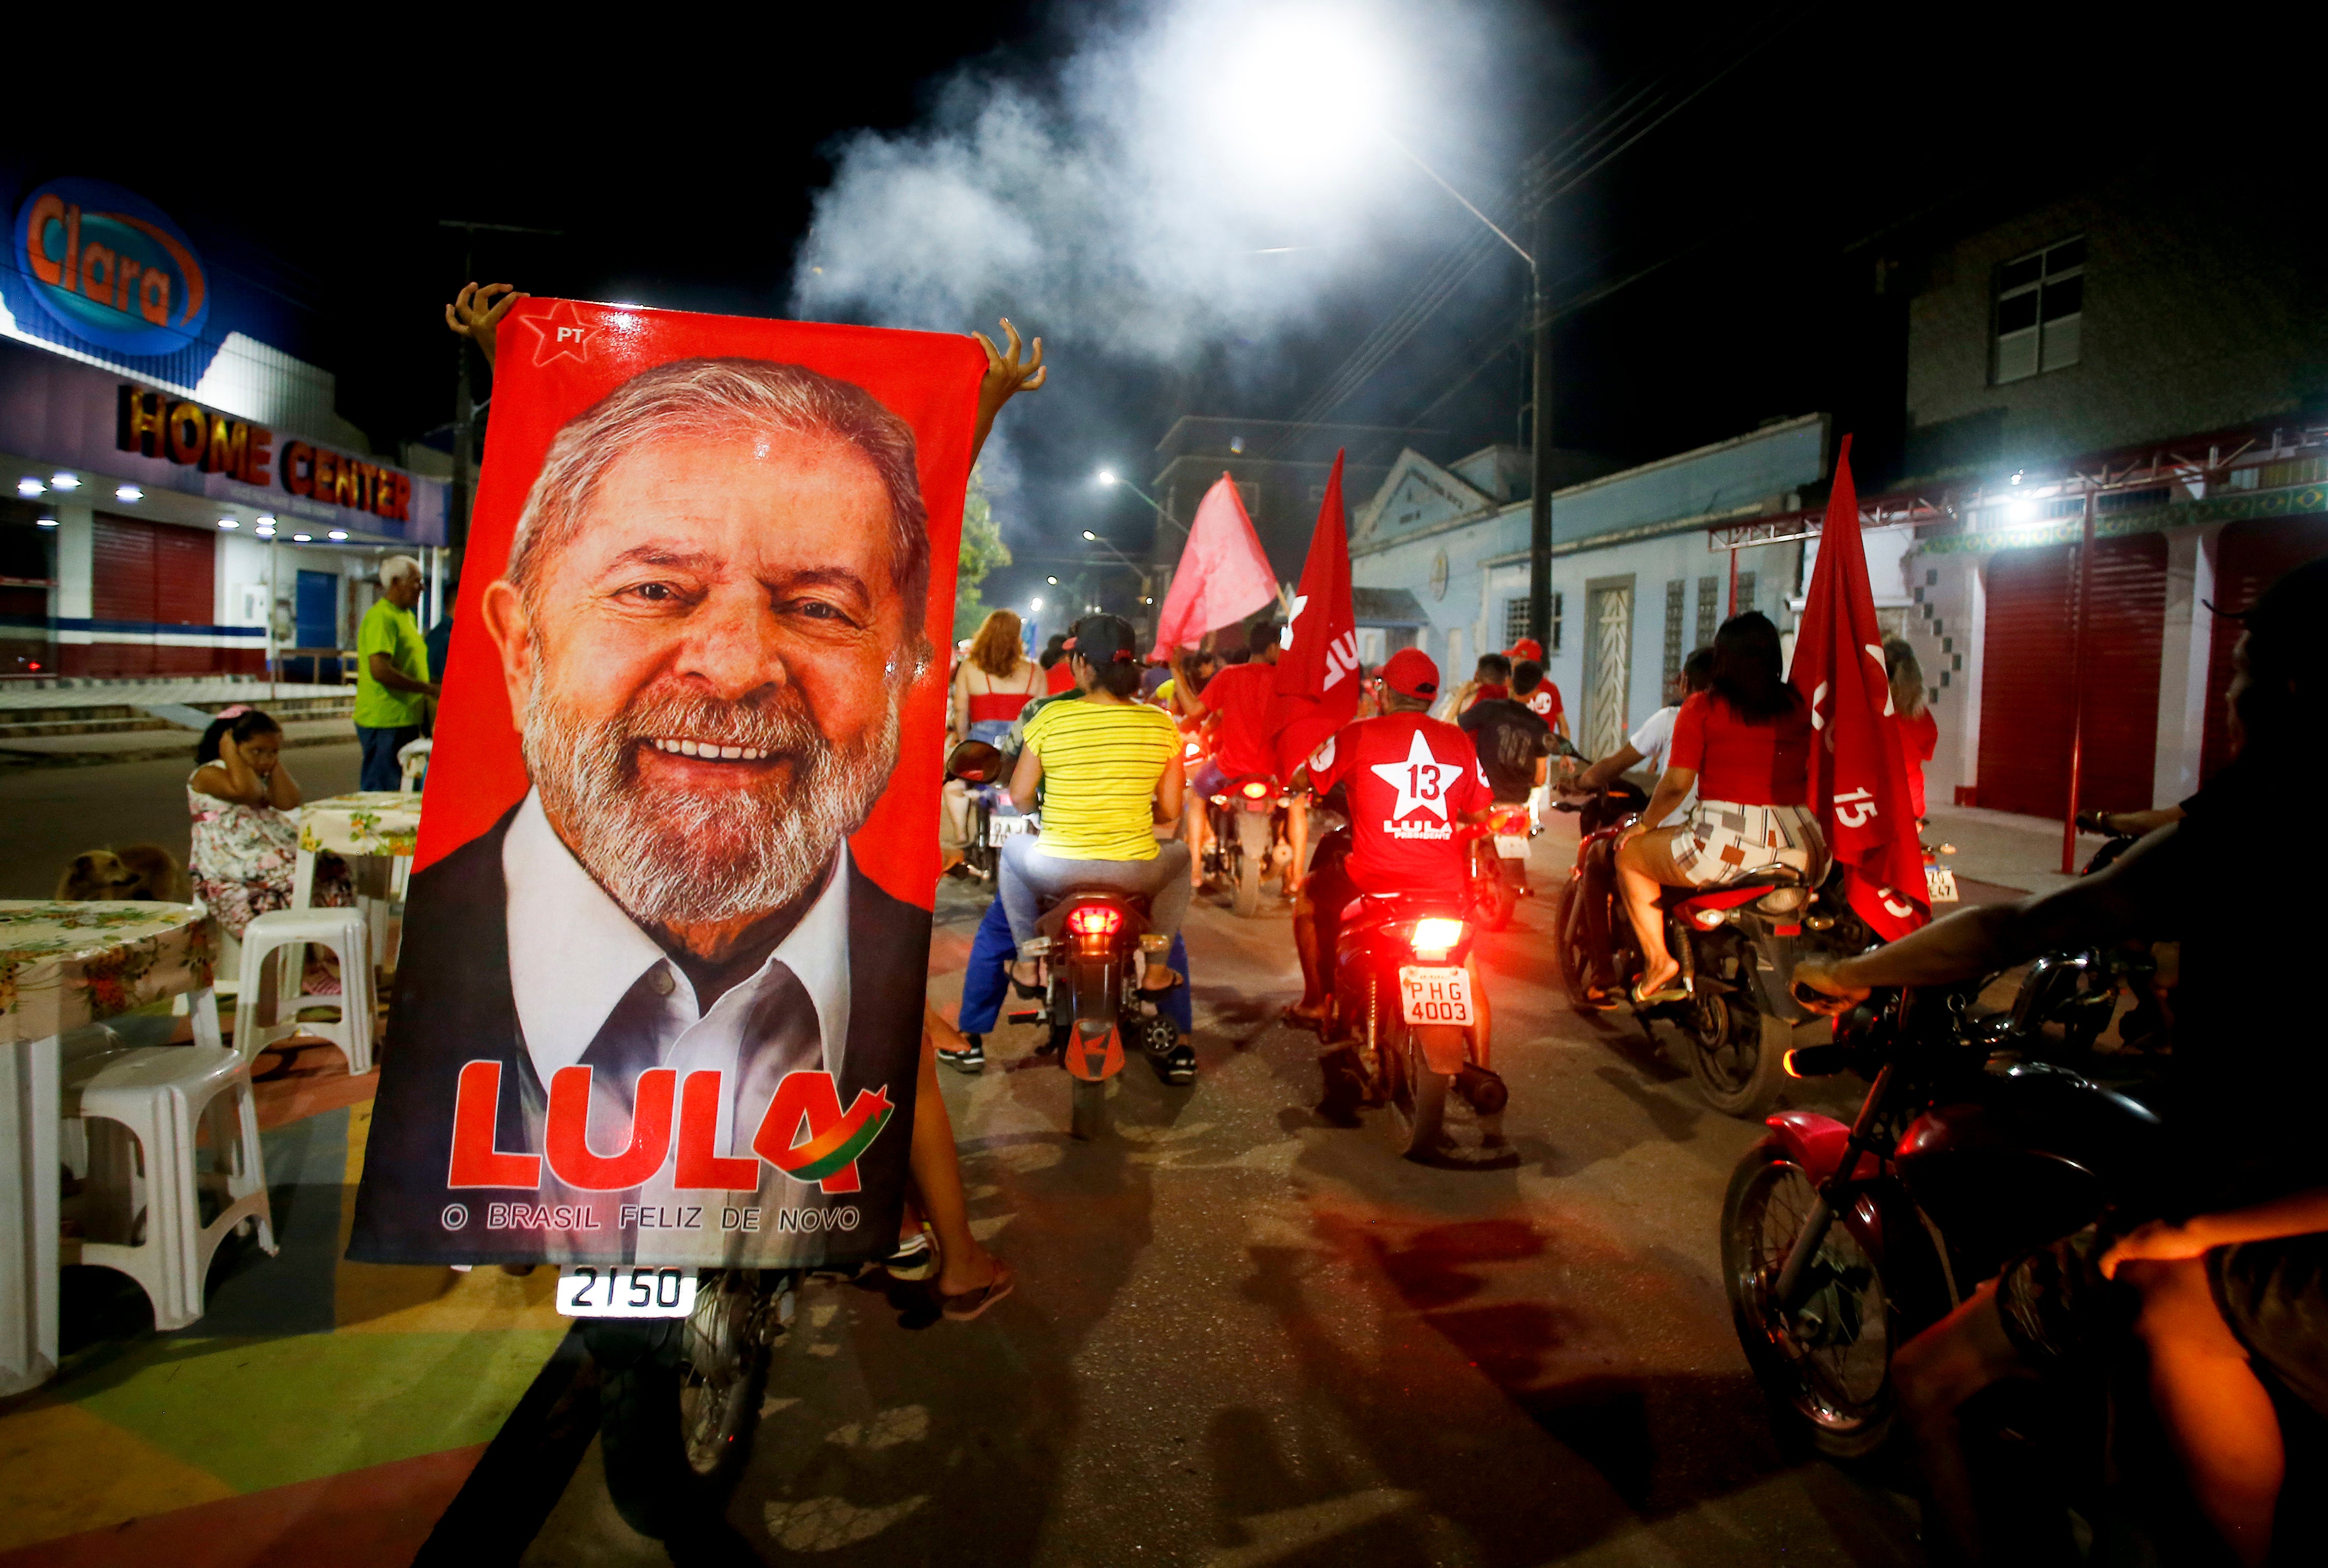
(1403, 999)
(679, 1396)
(1246, 841)
(1736, 943)
(1499, 864)
(993, 821)
(1840, 1243)
(1093, 946)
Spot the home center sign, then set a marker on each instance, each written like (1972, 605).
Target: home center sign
(111, 268)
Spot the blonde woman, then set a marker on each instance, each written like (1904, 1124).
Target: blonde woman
(995, 679)
(1919, 733)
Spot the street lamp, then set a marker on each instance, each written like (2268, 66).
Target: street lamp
(1147, 578)
(1295, 96)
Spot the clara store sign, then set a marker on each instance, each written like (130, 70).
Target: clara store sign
(111, 268)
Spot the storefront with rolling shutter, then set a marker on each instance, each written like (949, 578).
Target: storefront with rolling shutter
(2249, 557)
(2029, 702)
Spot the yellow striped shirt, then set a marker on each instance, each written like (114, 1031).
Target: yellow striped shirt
(1101, 761)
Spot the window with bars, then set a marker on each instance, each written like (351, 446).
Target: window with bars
(1709, 610)
(1677, 609)
(1745, 594)
(1516, 623)
(2041, 301)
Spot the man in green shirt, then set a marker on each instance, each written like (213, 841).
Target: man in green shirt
(392, 674)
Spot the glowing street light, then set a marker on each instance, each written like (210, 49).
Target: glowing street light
(1053, 581)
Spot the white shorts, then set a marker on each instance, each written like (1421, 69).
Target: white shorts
(1724, 841)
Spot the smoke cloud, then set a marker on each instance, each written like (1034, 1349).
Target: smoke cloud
(1201, 174)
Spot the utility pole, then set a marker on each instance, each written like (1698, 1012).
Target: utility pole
(1540, 424)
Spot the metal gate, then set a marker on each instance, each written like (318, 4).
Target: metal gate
(2028, 701)
(1607, 665)
(147, 578)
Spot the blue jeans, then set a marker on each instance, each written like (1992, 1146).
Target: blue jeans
(1029, 876)
(987, 983)
(381, 771)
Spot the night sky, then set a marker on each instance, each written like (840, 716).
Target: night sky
(1807, 146)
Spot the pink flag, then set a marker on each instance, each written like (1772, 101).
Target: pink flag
(1859, 782)
(1223, 578)
(1317, 675)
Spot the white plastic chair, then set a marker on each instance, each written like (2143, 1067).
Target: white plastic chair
(412, 757)
(162, 1096)
(258, 1005)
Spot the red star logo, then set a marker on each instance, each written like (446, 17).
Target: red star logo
(561, 333)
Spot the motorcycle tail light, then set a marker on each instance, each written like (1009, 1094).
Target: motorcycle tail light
(1256, 790)
(1095, 920)
(1436, 936)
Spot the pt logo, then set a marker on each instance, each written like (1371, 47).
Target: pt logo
(560, 332)
(1422, 780)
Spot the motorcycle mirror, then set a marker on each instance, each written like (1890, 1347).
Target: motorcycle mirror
(974, 762)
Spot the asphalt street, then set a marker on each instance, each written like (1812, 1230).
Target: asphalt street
(1244, 1335)
(50, 814)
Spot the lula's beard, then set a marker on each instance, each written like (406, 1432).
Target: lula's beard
(672, 856)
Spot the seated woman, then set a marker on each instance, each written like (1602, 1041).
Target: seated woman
(1109, 768)
(246, 836)
(1745, 747)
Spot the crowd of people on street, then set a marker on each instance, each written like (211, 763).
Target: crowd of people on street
(2220, 1301)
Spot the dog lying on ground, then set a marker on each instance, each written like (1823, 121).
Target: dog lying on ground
(145, 872)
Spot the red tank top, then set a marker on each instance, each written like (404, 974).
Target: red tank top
(988, 706)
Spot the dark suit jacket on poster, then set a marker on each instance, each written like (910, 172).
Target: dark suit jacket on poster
(454, 1005)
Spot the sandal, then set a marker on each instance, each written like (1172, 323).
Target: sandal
(914, 1259)
(1676, 989)
(1172, 977)
(964, 1306)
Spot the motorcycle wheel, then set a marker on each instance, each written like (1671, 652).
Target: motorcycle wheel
(1087, 1118)
(1251, 858)
(1827, 1372)
(1738, 1053)
(1418, 1098)
(674, 1433)
(977, 854)
(1568, 945)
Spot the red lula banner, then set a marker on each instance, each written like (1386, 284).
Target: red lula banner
(660, 995)
(1858, 780)
(1318, 673)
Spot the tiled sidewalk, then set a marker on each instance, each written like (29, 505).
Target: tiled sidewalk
(320, 1411)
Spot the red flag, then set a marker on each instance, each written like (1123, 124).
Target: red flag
(1317, 673)
(1224, 574)
(1859, 782)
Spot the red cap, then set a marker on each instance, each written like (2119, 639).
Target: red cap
(1528, 648)
(1411, 674)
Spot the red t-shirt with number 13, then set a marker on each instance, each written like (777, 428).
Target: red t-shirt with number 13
(1411, 779)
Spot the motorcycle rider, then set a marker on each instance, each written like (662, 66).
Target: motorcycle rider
(1514, 745)
(1113, 763)
(1240, 696)
(2235, 1276)
(1744, 745)
(1652, 743)
(1411, 781)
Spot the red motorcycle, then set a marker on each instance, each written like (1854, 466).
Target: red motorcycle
(1246, 838)
(1499, 864)
(1404, 1000)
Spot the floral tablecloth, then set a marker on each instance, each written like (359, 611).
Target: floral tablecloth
(369, 822)
(63, 965)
